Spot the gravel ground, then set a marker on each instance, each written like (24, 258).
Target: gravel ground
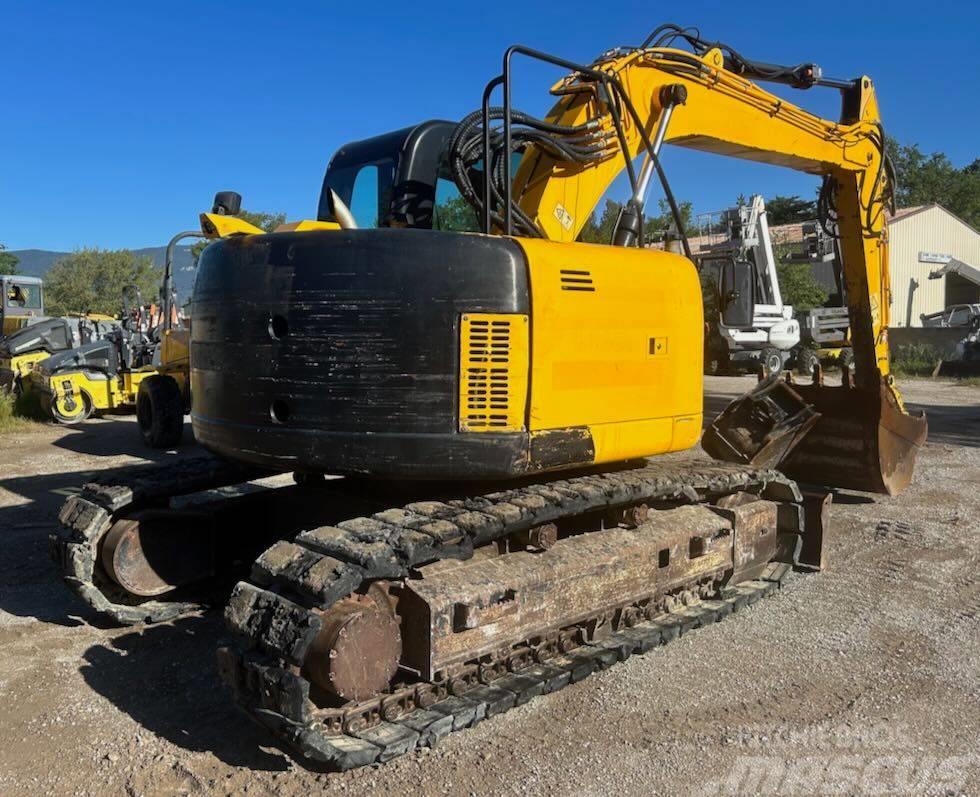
(862, 679)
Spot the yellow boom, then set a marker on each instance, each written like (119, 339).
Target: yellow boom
(724, 113)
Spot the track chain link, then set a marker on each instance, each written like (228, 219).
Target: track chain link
(275, 616)
(85, 519)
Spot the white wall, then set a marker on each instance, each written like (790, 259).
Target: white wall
(932, 230)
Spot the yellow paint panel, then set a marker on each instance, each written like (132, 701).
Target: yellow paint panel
(306, 225)
(105, 394)
(217, 225)
(616, 345)
(12, 323)
(22, 364)
(493, 372)
(175, 349)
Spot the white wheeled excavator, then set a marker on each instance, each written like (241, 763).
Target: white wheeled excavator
(737, 339)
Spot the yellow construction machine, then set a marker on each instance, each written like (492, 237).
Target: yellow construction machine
(28, 336)
(100, 375)
(21, 302)
(142, 363)
(496, 397)
(21, 350)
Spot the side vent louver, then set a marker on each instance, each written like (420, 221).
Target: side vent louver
(493, 372)
(573, 280)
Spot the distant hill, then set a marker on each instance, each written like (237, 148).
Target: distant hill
(36, 263)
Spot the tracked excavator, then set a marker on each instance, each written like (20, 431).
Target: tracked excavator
(496, 401)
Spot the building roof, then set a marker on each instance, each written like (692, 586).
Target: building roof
(905, 213)
(902, 213)
(793, 233)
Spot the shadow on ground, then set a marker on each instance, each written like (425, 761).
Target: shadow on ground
(952, 425)
(116, 437)
(165, 677)
(30, 585)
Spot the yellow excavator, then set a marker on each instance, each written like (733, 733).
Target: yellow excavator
(495, 398)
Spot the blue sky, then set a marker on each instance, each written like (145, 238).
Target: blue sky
(121, 120)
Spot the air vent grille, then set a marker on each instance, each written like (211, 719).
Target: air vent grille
(493, 372)
(576, 280)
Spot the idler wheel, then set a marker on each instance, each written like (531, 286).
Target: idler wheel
(356, 653)
(157, 551)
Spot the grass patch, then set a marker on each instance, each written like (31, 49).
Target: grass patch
(920, 360)
(18, 414)
(915, 359)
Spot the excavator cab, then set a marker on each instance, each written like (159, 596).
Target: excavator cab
(401, 179)
(391, 180)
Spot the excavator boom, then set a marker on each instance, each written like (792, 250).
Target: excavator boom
(721, 112)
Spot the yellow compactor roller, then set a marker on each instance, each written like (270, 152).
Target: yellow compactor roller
(496, 398)
(141, 363)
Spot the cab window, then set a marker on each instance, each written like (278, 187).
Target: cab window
(452, 211)
(25, 297)
(366, 190)
(709, 270)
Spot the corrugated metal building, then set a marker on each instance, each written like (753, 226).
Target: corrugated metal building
(920, 239)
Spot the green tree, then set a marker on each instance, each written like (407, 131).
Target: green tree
(455, 214)
(264, 221)
(796, 282)
(601, 231)
(654, 227)
(790, 209)
(923, 179)
(8, 262)
(92, 280)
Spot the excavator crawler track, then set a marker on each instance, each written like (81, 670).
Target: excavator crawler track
(278, 615)
(86, 518)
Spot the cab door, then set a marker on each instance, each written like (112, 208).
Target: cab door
(737, 293)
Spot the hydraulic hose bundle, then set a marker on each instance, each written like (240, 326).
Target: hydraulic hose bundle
(581, 144)
(801, 76)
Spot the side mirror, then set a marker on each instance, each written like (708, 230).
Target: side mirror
(737, 293)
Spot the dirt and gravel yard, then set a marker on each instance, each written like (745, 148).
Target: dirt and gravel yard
(862, 679)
